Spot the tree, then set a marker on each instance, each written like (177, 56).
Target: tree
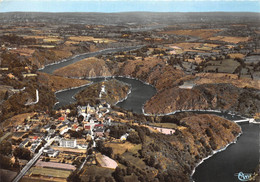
(47, 159)
(75, 134)
(104, 150)
(5, 148)
(6, 95)
(5, 162)
(134, 138)
(107, 151)
(117, 131)
(74, 177)
(80, 118)
(22, 153)
(118, 175)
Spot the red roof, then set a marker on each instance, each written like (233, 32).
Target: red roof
(87, 127)
(99, 125)
(61, 118)
(35, 137)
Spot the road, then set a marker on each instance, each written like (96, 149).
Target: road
(94, 144)
(37, 99)
(31, 162)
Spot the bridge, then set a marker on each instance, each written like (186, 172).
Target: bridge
(249, 120)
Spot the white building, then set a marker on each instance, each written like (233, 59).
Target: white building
(124, 137)
(103, 91)
(68, 143)
(187, 85)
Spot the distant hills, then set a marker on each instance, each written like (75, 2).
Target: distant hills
(130, 17)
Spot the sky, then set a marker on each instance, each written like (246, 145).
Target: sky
(130, 5)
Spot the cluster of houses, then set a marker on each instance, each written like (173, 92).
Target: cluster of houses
(37, 130)
(94, 115)
(70, 135)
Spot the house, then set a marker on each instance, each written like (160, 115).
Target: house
(124, 137)
(3, 69)
(61, 118)
(99, 126)
(93, 120)
(75, 126)
(64, 130)
(187, 85)
(29, 75)
(35, 145)
(90, 109)
(24, 143)
(35, 137)
(257, 117)
(11, 76)
(68, 143)
(51, 152)
(82, 146)
(87, 127)
(67, 111)
(81, 109)
(99, 132)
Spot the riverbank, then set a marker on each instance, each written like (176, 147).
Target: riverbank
(72, 88)
(128, 93)
(64, 62)
(196, 110)
(215, 152)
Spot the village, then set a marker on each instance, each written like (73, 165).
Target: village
(53, 147)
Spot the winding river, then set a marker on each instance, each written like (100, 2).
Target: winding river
(243, 156)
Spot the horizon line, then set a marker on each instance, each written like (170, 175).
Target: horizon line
(131, 12)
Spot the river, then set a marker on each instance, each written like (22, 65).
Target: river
(243, 156)
(52, 67)
(140, 93)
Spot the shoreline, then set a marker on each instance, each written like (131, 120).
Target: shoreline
(96, 52)
(215, 152)
(242, 120)
(196, 110)
(127, 95)
(112, 76)
(88, 84)
(71, 88)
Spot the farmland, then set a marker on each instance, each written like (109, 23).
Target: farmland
(49, 172)
(234, 40)
(202, 33)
